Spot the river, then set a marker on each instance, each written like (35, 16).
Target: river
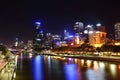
(59, 68)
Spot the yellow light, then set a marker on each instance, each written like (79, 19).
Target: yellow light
(113, 69)
(117, 43)
(14, 75)
(97, 45)
(95, 65)
(88, 63)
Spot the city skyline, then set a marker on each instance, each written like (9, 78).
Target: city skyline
(18, 17)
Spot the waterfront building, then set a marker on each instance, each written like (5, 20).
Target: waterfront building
(88, 29)
(79, 29)
(117, 31)
(56, 40)
(97, 38)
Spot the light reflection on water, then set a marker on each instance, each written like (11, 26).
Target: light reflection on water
(37, 68)
(113, 70)
(71, 72)
(59, 68)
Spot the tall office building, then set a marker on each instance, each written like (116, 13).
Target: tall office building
(48, 41)
(39, 35)
(88, 29)
(78, 27)
(117, 31)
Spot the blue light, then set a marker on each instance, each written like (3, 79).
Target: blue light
(37, 23)
(41, 31)
(71, 72)
(71, 36)
(16, 38)
(37, 68)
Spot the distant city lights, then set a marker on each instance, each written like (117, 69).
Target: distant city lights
(89, 26)
(71, 36)
(90, 32)
(38, 39)
(85, 31)
(98, 24)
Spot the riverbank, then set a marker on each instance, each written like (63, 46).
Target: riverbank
(6, 70)
(3, 63)
(97, 58)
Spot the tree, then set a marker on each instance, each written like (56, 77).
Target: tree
(5, 52)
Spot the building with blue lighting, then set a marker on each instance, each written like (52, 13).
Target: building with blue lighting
(39, 36)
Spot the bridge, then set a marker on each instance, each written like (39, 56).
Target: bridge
(15, 51)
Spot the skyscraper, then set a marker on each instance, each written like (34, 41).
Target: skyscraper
(117, 31)
(39, 35)
(88, 29)
(78, 27)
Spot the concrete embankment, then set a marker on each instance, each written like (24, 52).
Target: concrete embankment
(109, 59)
(97, 58)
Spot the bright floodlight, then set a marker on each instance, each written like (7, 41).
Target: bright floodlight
(85, 31)
(90, 32)
(38, 39)
(98, 24)
(38, 23)
(89, 25)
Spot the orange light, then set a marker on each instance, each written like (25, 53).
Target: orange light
(77, 40)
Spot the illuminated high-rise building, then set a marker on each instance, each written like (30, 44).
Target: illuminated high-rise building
(97, 38)
(39, 35)
(88, 29)
(56, 40)
(37, 25)
(79, 27)
(117, 31)
(66, 34)
(48, 41)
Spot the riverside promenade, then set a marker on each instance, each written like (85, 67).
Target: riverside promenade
(6, 70)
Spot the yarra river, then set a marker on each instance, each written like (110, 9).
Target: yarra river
(59, 68)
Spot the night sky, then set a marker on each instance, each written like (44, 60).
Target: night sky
(17, 17)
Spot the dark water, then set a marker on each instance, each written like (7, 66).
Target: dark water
(56, 68)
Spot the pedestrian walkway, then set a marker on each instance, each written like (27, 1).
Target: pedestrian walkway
(6, 71)
(2, 63)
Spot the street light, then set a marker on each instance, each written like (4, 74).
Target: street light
(8, 74)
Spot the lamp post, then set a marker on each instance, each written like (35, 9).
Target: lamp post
(8, 74)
